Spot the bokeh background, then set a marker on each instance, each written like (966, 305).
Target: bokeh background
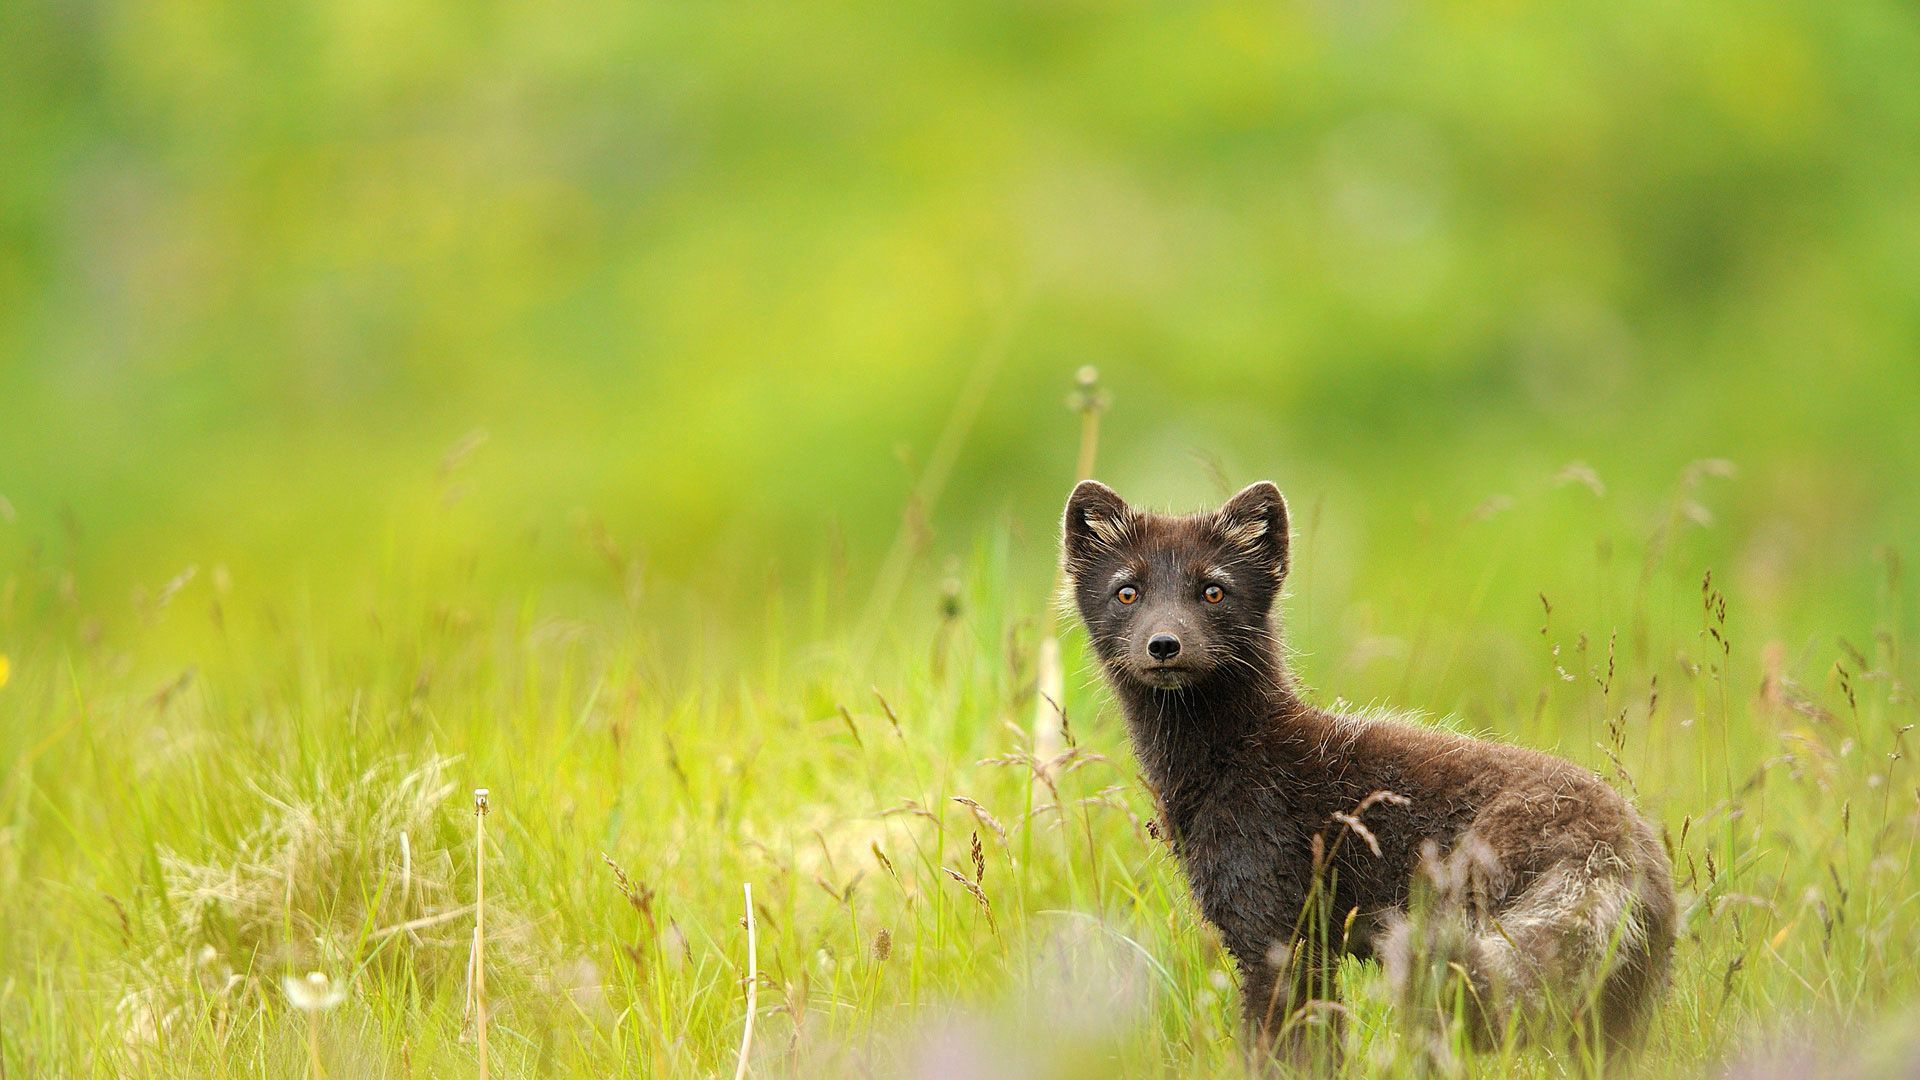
(333, 295)
(656, 413)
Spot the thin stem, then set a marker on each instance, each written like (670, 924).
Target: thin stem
(479, 923)
(1047, 715)
(313, 1042)
(753, 987)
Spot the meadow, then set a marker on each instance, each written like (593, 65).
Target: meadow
(659, 416)
(226, 790)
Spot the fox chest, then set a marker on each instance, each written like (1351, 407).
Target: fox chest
(1248, 865)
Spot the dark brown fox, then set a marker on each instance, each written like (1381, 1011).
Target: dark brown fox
(1304, 832)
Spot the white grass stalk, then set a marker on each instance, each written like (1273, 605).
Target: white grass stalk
(1051, 683)
(480, 924)
(1048, 739)
(753, 988)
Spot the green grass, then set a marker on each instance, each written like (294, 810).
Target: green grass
(208, 793)
(589, 404)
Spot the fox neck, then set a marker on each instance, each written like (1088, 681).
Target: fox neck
(1191, 738)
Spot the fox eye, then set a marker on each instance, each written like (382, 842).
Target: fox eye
(1127, 594)
(1213, 594)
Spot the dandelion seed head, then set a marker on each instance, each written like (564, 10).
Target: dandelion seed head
(313, 993)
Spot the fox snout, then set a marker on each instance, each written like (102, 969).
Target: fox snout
(1161, 658)
(1169, 641)
(1167, 652)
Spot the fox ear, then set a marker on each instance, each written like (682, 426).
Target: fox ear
(1256, 522)
(1097, 518)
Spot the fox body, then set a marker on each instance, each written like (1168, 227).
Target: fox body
(1304, 832)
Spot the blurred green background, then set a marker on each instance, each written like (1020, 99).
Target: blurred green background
(595, 394)
(330, 295)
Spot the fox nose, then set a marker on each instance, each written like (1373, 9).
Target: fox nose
(1163, 646)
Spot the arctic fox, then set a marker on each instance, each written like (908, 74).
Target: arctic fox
(1304, 833)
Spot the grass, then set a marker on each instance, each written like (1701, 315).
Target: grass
(226, 788)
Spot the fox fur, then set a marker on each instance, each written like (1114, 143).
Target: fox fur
(1306, 833)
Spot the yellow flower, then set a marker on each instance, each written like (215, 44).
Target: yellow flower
(6, 669)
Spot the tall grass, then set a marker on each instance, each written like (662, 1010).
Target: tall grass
(230, 789)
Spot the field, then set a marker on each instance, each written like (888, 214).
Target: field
(653, 415)
(290, 795)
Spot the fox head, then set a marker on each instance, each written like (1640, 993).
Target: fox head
(1172, 602)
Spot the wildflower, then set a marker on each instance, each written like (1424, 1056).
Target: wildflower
(315, 993)
(6, 668)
